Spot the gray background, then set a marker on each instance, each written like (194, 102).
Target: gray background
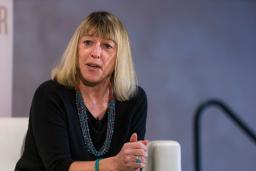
(185, 52)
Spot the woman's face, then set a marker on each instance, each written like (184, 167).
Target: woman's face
(96, 59)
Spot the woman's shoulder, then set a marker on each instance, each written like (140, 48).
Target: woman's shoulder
(50, 87)
(139, 94)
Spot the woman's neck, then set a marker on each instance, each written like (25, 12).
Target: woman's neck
(96, 97)
(97, 91)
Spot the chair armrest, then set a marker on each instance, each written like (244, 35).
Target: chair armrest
(12, 134)
(163, 156)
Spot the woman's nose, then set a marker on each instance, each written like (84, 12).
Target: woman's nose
(96, 51)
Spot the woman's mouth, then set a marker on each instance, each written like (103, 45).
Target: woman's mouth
(93, 66)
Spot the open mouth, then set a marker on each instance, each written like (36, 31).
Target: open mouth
(93, 65)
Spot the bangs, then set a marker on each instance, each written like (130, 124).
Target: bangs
(100, 26)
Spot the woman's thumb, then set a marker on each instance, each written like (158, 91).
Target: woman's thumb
(134, 137)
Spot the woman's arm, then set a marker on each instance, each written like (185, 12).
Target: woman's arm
(106, 164)
(125, 160)
(139, 114)
(49, 128)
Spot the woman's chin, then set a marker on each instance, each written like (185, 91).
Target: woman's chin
(91, 81)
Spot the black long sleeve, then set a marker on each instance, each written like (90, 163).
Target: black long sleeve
(54, 138)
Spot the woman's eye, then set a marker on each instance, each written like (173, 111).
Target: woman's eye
(87, 42)
(107, 46)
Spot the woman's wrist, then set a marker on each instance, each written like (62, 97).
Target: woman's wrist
(97, 165)
(109, 164)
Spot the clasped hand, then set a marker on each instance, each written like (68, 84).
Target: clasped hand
(132, 155)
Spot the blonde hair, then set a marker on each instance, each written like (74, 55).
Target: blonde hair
(105, 25)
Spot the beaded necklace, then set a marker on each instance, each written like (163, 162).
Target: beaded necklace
(83, 118)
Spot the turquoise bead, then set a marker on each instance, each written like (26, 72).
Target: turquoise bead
(83, 118)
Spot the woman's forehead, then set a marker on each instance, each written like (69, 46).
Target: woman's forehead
(97, 37)
(99, 34)
(105, 31)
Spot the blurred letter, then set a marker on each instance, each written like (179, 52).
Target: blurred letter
(3, 20)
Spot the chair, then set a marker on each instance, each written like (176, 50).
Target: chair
(162, 155)
(12, 133)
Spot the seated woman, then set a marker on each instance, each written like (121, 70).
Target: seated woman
(92, 114)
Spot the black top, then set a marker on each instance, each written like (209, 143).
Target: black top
(54, 137)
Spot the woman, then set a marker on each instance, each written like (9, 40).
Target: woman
(92, 114)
